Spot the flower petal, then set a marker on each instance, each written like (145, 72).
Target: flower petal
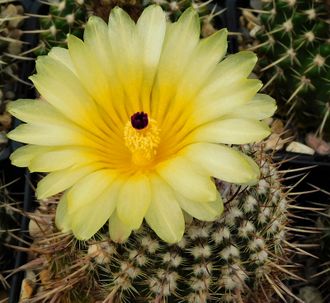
(183, 36)
(206, 55)
(48, 135)
(89, 72)
(134, 200)
(179, 173)
(233, 68)
(89, 188)
(151, 28)
(35, 111)
(95, 64)
(223, 163)
(89, 218)
(164, 214)
(119, 232)
(52, 82)
(208, 211)
(213, 105)
(44, 120)
(202, 62)
(62, 218)
(260, 107)
(126, 48)
(60, 158)
(232, 131)
(62, 56)
(59, 181)
(96, 39)
(22, 156)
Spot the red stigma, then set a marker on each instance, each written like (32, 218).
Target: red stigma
(139, 120)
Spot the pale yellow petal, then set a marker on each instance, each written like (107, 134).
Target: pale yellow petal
(203, 61)
(22, 156)
(47, 135)
(182, 177)
(151, 28)
(255, 167)
(223, 162)
(134, 200)
(89, 218)
(164, 215)
(232, 69)
(89, 188)
(49, 158)
(126, 48)
(260, 107)
(119, 232)
(62, 218)
(59, 181)
(97, 70)
(60, 158)
(89, 71)
(187, 218)
(208, 211)
(213, 105)
(96, 39)
(180, 42)
(206, 108)
(231, 131)
(61, 88)
(35, 111)
(62, 55)
(45, 120)
(120, 21)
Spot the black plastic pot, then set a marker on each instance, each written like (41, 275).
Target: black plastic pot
(228, 19)
(311, 190)
(317, 170)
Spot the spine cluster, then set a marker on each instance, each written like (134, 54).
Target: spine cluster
(294, 50)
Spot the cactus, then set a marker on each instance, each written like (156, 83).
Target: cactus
(241, 257)
(64, 17)
(11, 19)
(8, 224)
(69, 17)
(294, 54)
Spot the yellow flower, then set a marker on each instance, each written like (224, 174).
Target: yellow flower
(133, 123)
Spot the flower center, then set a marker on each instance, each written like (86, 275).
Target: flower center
(141, 136)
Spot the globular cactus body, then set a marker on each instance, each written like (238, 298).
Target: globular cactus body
(294, 53)
(241, 257)
(11, 20)
(8, 225)
(65, 17)
(69, 17)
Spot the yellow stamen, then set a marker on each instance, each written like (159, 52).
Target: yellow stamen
(142, 143)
